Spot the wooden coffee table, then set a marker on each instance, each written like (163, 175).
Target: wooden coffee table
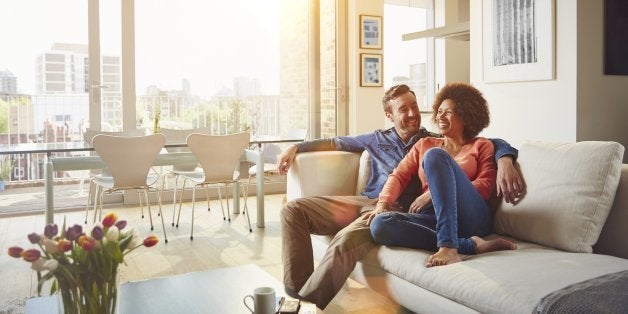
(218, 290)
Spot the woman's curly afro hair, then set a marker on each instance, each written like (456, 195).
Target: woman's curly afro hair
(470, 106)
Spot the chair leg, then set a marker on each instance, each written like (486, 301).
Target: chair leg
(221, 206)
(207, 192)
(150, 215)
(161, 191)
(90, 198)
(227, 201)
(100, 192)
(193, 202)
(163, 225)
(246, 207)
(139, 196)
(181, 202)
(246, 192)
(174, 198)
(94, 202)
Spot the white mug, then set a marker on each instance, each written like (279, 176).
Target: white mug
(263, 301)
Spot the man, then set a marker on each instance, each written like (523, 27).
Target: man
(343, 216)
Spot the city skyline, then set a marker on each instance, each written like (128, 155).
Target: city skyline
(207, 56)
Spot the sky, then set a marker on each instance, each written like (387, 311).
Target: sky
(206, 42)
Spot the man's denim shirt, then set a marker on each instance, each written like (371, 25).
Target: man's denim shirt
(387, 149)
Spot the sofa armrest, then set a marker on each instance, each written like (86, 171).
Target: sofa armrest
(323, 173)
(613, 239)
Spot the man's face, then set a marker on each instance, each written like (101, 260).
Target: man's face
(404, 114)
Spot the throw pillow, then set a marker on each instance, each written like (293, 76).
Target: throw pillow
(364, 172)
(570, 190)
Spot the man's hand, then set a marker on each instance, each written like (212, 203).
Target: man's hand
(379, 208)
(421, 202)
(509, 182)
(286, 158)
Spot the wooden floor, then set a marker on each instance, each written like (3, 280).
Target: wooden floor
(216, 244)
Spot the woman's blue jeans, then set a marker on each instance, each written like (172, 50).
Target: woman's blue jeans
(457, 213)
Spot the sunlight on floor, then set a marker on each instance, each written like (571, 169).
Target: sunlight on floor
(217, 243)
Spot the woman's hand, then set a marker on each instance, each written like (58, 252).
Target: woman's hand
(421, 202)
(380, 207)
(509, 182)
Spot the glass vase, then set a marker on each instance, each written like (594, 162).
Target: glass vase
(88, 293)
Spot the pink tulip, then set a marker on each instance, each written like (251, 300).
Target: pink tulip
(109, 219)
(121, 224)
(16, 251)
(31, 255)
(98, 233)
(64, 245)
(151, 240)
(87, 243)
(34, 238)
(74, 232)
(51, 230)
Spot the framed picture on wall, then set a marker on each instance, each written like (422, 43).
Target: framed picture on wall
(371, 69)
(370, 32)
(518, 41)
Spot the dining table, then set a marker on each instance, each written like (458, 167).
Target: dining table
(79, 162)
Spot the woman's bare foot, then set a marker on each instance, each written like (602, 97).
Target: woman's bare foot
(485, 246)
(444, 256)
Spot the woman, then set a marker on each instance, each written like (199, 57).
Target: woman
(457, 173)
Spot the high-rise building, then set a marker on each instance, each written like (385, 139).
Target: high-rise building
(111, 95)
(245, 86)
(63, 89)
(8, 82)
(62, 70)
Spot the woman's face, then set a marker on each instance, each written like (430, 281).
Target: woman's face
(449, 122)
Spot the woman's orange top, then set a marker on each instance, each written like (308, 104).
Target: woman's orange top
(476, 159)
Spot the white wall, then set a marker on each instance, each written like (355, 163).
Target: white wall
(365, 109)
(581, 103)
(541, 110)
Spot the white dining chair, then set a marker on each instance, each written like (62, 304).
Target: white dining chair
(129, 160)
(219, 156)
(177, 137)
(269, 153)
(88, 136)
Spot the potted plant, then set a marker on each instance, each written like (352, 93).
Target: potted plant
(5, 172)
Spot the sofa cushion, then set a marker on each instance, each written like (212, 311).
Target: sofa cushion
(570, 188)
(364, 172)
(614, 237)
(497, 282)
(322, 173)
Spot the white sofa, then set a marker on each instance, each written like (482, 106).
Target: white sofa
(571, 226)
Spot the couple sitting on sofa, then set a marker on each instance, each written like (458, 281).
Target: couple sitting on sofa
(428, 211)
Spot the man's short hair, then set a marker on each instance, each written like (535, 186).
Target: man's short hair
(393, 93)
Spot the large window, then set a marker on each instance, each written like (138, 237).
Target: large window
(240, 65)
(109, 87)
(208, 64)
(408, 62)
(44, 100)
